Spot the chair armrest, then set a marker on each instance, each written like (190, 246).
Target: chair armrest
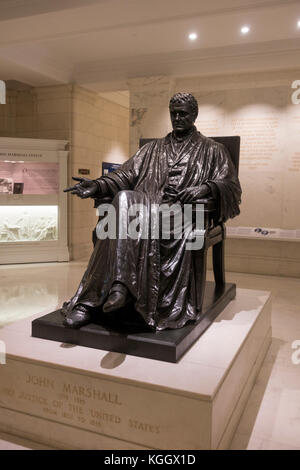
(210, 205)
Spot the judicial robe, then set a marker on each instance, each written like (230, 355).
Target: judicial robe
(158, 273)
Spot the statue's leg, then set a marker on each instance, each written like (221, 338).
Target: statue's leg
(114, 260)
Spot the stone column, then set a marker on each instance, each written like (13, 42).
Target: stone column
(149, 108)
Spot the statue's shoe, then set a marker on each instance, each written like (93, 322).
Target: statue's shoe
(65, 308)
(78, 317)
(118, 298)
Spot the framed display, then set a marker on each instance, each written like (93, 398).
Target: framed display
(109, 167)
(33, 206)
(32, 177)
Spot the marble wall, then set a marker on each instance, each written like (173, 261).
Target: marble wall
(258, 107)
(100, 132)
(149, 104)
(97, 129)
(18, 115)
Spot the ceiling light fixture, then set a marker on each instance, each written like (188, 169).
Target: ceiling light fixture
(245, 29)
(298, 24)
(193, 36)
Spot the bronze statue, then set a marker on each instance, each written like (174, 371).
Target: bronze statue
(155, 274)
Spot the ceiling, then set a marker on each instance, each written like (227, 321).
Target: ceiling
(100, 44)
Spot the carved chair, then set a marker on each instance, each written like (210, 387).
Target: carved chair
(215, 231)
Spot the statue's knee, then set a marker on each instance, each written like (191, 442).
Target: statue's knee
(120, 196)
(126, 193)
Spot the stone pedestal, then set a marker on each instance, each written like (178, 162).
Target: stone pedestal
(68, 396)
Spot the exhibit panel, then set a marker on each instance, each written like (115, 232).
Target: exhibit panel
(75, 397)
(33, 207)
(268, 124)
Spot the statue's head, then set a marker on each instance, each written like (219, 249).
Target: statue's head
(183, 112)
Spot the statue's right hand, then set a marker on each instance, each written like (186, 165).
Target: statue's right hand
(84, 189)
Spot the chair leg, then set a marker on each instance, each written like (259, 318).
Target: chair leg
(219, 263)
(200, 257)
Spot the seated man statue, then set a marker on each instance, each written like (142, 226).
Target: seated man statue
(156, 275)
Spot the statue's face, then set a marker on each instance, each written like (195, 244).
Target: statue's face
(182, 118)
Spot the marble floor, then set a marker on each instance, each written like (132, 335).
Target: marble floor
(271, 419)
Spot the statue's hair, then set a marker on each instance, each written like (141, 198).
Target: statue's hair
(182, 98)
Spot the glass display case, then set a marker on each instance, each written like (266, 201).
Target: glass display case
(33, 206)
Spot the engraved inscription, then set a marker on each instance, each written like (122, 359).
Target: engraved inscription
(90, 403)
(33, 398)
(145, 427)
(259, 140)
(40, 381)
(91, 393)
(70, 406)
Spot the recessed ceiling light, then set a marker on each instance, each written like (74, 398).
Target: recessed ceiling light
(298, 24)
(245, 29)
(193, 36)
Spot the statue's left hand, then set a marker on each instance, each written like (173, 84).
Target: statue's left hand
(193, 193)
(84, 189)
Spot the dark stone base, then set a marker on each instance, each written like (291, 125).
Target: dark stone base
(131, 336)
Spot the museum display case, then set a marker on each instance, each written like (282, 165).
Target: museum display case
(33, 207)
